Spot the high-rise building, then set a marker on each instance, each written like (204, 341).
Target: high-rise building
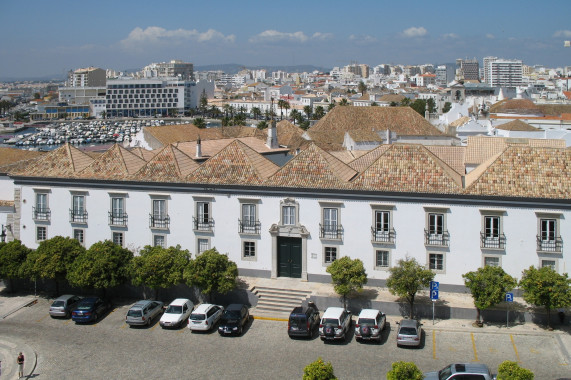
(469, 68)
(87, 77)
(487, 61)
(444, 74)
(505, 72)
(173, 69)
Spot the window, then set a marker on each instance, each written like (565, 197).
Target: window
(329, 254)
(203, 245)
(331, 228)
(548, 263)
(41, 233)
(493, 261)
(78, 234)
(548, 239)
(249, 249)
(382, 232)
(41, 210)
(249, 223)
(382, 259)
(159, 216)
(118, 238)
(288, 215)
(436, 233)
(77, 213)
(492, 236)
(159, 241)
(117, 215)
(203, 220)
(436, 261)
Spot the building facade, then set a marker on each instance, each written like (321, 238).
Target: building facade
(505, 72)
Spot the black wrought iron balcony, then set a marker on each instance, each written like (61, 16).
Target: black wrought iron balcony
(330, 231)
(549, 244)
(43, 214)
(436, 239)
(117, 218)
(203, 224)
(492, 242)
(379, 235)
(159, 221)
(249, 227)
(77, 216)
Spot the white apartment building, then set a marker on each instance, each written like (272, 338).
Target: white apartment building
(503, 72)
(87, 77)
(173, 69)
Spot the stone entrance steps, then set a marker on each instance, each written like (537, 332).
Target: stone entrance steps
(277, 302)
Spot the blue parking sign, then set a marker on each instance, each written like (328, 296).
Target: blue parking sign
(509, 297)
(434, 294)
(434, 285)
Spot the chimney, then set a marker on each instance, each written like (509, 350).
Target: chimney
(427, 112)
(388, 137)
(198, 148)
(272, 141)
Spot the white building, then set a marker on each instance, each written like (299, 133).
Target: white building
(504, 72)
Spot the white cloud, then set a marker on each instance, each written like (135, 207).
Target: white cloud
(321, 36)
(362, 38)
(274, 35)
(415, 32)
(562, 33)
(490, 36)
(450, 35)
(155, 34)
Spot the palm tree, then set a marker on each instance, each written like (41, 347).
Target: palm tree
(256, 112)
(307, 111)
(286, 106)
(362, 87)
(199, 123)
(281, 106)
(262, 124)
(343, 102)
(294, 115)
(331, 106)
(227, 109)
(319, 112)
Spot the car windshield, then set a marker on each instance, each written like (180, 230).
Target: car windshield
(58, 304)
(85, 306)
(445, 373)
(174, 309)
(297, 322)
(197, 317)
(330, 321)
(407, 331)
(135, 313)
(231, 314)
(367, 321)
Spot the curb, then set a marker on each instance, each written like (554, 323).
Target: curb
(269, 318)
(26, 304)
(34, 367)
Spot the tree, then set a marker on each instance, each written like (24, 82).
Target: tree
(318, 370)
(227, 109)
(199, 123)
(374, 104)
(407, 278)
(405, 102)
(281, 106)
(404, 371)
(158, 267)
(104, 265)
(447, 107)
(256, 112)
(286, 106)
(545, 287)
(295, 114)
(12, 256)
(304, 125)
(203, 105)
(419, 105)
(509, 370)
(211, 272)
(307, 111)
(344, 102)
(262, 124)
(53, 259)
(362, 87)
(431, 105)
(226, 121)
(319, 112)
(37, 95)
(488, 286)
(239, 119)
(347, 276)
(331, 106)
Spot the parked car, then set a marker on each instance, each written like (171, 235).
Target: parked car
(335, 323)
(472, 371)
(205, 317)
(143, 312)
(370, 325)
(409, 332)
(233, 320)
(63, 305)
(303, 321)
(89, 309)
(176, 313)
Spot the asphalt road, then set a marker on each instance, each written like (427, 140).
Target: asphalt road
(110, 349)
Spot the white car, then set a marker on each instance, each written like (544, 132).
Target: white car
(176, 313)
(335, 324)
(370, 324)
(204, 317)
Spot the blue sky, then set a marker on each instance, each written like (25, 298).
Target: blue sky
(41, 37)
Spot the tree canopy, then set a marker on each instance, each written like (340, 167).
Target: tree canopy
(12, 256)
(510, 370)
(401, 370)
(488, 286)
(211, 272)
(347, 275)
(407, 278)
(318, 370)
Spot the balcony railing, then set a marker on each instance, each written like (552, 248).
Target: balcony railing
(77, 216)
(41, 213)
(552, 245)
(379, 235)
(330, 231)
(492, 242)
(203, 224)
(437, 240)
(249, 227)
(117, 218)
(159, 221)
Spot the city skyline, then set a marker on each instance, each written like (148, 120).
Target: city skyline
(44, 39)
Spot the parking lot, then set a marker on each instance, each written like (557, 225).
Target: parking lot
(110, 349)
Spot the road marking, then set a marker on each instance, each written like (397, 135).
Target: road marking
(155, 325)
(434, 344)
(42, 318)
(67, 322)
(515, 348)
(180, 331)
(493, 350)
(474, 347)
(123, 326)
(271, 319)
(533, 351)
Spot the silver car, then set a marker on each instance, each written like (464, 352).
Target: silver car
(409, 333)
(143, 312)
(63, 305)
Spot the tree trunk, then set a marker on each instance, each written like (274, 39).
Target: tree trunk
(57, 287)
(344, 302)
(478, 316)
(548, 317)
(411, 304)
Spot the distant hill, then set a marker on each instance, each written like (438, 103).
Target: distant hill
(234, 68)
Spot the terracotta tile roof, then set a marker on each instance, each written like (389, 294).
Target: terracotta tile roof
(313, 168)
(517, 125)
(236, 164)
(365, 136)
(210, 148)
(363, 162)
(168, 165)
(403, 120)
(523, 171)
(348, 156)
(65, 161)
(519, 106)
(170, 134)
(287, 133)
(480, 148)
(143, 153)
(409, 168)
(12, 155)
(454, 156)
(460, 122)
(116, 163)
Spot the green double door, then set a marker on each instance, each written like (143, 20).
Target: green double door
(289, 257)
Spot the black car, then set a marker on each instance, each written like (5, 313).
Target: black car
(89, 309)
(303, 321)
(234, 319)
